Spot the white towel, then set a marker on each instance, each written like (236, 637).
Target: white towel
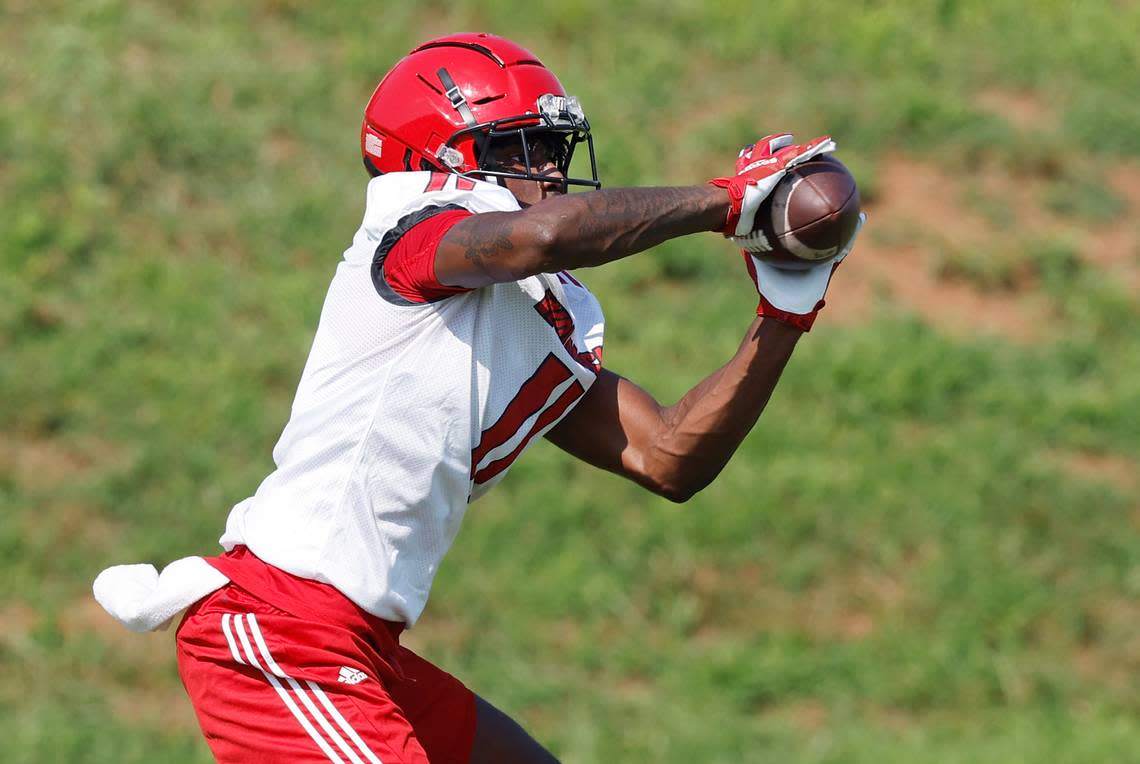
(142, 600)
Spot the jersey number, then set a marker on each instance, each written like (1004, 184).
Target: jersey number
(439, 179)
(531, 398)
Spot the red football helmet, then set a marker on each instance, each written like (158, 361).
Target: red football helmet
(452, 103)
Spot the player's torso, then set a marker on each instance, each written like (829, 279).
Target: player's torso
(405, 413)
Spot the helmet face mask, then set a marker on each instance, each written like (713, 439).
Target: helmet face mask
(476, 105)
(522, 147)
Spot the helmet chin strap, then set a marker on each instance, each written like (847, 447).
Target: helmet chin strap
(458, 101)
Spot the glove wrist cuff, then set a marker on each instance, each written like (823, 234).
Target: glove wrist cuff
(735, 201)
(801, 321)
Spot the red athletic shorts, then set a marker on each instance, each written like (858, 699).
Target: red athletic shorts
(281, 668)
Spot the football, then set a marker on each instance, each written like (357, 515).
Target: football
(810, 215)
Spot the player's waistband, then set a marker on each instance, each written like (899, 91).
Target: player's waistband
(305, 598)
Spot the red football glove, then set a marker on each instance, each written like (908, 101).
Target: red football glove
(759, 167)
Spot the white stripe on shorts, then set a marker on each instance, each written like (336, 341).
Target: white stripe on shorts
(304, 698)
(344, 725)
(251, 659)
(230, 638)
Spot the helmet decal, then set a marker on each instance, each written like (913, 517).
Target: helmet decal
(373, 145)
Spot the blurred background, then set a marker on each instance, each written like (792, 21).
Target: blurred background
(926, 551)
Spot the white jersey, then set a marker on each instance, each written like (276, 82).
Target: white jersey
(406, 412)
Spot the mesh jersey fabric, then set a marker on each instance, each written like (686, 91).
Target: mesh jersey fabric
(407, 411)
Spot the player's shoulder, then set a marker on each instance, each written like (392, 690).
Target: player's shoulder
(397, 194)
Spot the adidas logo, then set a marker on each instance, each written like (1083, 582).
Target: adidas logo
(351, 676)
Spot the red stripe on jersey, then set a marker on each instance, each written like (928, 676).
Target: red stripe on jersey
(555, 314)
(566, 278)
(465, 184)
(531, 397)
(410, 266)
(437, 182)
(569, 395)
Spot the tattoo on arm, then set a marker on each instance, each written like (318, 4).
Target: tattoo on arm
(615, 223)
(573, 231)
(486, 237)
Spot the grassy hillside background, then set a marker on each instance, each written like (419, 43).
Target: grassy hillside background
(927, 551)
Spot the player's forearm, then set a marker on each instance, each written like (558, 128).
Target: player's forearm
(700, 433)
(567, 232)
(595, 228)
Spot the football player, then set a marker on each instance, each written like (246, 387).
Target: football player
(456, 332)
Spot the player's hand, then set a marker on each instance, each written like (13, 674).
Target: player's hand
(759, 167)
(795, 296)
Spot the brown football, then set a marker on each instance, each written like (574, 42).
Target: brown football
(810, 215)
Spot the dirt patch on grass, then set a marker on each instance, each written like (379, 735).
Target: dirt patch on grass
(1116, 247)
(1125, 180)
(40, 463)
(157, 700)
(1021, 109)
(84, 618)
(1114, 469)
(926, 216)
(20, 620)
(1112, 655)
(167, 709)
(847, 606)
(918, 213)
(804, 715)
(139, 679)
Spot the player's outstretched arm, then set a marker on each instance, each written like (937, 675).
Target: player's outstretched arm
(677, 450)
(579, 230)
(574, 231)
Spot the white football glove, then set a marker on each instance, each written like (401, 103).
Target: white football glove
(795, 296)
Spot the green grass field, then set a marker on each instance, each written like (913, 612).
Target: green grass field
(927, 551)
